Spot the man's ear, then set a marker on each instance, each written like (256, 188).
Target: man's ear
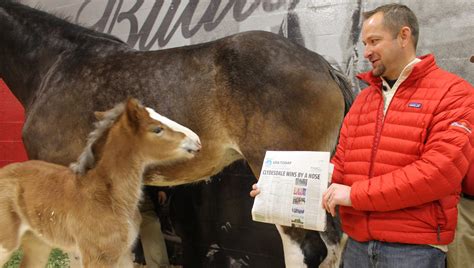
(405, 36)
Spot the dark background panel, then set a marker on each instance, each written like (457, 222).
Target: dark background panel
(213, 220)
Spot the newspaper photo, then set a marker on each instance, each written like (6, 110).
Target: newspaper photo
(291, 186)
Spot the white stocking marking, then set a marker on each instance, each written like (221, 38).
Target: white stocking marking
(294, 257)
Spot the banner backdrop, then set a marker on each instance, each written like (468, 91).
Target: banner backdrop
(330, 28)
(12, 117)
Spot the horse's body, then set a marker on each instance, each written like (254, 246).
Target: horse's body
(92, 207)
(242, 95)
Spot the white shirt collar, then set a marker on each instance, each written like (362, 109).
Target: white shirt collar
(403, 75)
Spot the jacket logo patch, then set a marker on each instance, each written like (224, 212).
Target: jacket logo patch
(463, 125)
(414, 105)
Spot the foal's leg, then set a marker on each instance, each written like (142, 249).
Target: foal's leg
(126, 260)
(5, 255)
(105, 256)
(93, 261)
(9, 230)
(6, 249)
(35, 251)
(74, 260)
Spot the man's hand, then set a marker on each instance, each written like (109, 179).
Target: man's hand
(336, 194)
(255, 191)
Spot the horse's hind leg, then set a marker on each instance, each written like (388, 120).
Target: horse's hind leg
(35, 251)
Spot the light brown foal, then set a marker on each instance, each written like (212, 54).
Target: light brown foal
(91, 207)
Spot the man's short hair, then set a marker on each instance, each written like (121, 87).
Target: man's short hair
(396, 16)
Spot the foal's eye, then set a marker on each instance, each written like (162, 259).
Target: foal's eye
(157, 130)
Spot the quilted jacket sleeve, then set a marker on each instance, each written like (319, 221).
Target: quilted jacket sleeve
(439, 171)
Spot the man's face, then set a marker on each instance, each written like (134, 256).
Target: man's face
(381, 49)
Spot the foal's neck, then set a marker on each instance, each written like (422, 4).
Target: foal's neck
(32, 42)
(119, 172)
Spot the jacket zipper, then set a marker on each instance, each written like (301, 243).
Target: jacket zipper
(438, 233)
(438, 224)
(378, 132)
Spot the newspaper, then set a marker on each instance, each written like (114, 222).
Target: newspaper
(291, 186)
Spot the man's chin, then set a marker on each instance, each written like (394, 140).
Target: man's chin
(376, 73)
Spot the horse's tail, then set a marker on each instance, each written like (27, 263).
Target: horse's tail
(345, 85)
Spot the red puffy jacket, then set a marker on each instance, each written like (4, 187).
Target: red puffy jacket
(405, 168)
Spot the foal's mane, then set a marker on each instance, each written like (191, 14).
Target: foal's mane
(87, 158)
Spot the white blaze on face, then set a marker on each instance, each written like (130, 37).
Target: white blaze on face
(173, 125)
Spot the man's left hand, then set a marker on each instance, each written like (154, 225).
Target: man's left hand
(336, 194)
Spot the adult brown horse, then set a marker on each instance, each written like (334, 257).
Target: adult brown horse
(242, 95)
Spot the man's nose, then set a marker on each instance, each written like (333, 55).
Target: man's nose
(367, 52)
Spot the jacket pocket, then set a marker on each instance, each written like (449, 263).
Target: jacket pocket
(426, 213)
(439, 213)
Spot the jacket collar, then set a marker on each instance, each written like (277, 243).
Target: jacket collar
(426, 65)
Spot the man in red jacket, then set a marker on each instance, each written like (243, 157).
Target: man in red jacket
(404, 148)
(403, 151)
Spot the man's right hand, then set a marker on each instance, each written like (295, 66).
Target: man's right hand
(255, 191)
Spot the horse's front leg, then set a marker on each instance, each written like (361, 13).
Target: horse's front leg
(305, 248)
(334, 249)
(291, 248)
(335, 241)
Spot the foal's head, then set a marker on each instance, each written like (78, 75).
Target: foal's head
(130, 128)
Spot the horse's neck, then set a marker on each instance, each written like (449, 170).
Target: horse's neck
(120, 174)
(32, 42)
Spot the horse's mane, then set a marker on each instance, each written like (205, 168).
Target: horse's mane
(43, 22)
(87, 158)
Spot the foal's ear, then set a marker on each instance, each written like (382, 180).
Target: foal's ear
(135, 112)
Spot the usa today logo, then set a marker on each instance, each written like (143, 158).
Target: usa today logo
(268, 162)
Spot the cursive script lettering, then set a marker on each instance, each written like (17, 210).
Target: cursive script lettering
(143, 36)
